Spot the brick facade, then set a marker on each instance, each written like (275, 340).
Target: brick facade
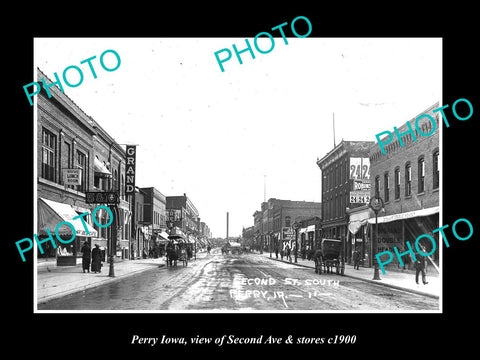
(69, 138)
(407, 178)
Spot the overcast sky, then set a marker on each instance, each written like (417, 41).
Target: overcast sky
(214, 135)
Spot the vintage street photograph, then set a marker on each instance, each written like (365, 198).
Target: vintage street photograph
(209, 175)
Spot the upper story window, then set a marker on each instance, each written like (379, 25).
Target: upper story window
(386, 187)
(49, 148)
(82, 165)
(397, 183)
(436, 171)
(421, 174)
(408, 179)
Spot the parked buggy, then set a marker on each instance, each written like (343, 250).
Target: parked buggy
(329, 256)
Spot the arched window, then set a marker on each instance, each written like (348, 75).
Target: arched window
(408, 179)
(397, 183)
(421, 174)
(436, 170)
(386, 187)
(115, 180)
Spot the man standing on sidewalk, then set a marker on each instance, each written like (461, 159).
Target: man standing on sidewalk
(287, 250)
(420, 267)
(356, 259)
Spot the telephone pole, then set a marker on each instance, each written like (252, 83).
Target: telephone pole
(227, 225)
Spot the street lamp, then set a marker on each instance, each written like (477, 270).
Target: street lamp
(296, 226)
(269, 243)
(376, 204)
(113, 241)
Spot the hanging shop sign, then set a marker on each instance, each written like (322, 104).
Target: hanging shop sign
(72, 176)
(130, 158)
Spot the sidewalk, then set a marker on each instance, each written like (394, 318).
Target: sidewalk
(402, 280)
(56, 281)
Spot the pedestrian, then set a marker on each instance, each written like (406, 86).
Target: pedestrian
(276, 252)
(356, 260)
(86, 256)
(282, 253)
(420, 267)
(97, 259)
(287, 251)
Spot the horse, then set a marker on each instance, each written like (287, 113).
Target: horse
(172, 255)
(316, 256)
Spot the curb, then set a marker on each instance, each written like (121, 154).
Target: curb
(418, 292)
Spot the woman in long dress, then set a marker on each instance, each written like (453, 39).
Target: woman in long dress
(96, 259)
(86, 256)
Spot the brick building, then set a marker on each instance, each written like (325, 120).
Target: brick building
(345, 180)
(273, 225)
(407, 178)
(71, 142)
(184, 214)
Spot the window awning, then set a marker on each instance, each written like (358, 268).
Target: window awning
(358, 219)
(51, 213)
(310, 228)
(405, 215)
(354, 226)
(100, 168)
(163, 235)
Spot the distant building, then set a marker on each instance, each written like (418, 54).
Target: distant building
(273, 225)
(184, 213)
(154, 216)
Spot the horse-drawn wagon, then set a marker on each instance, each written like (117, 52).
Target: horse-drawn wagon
(176, 251)
(328, 256)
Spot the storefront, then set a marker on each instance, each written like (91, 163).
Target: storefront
(50, 215)
(288, 237)
(358, 238)
(395, 230)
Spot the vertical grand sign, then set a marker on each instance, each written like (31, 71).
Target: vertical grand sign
(131, 151)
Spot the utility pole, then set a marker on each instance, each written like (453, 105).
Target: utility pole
(264, 188)
(334, 144)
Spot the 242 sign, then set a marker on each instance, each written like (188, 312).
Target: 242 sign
(359, 168)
